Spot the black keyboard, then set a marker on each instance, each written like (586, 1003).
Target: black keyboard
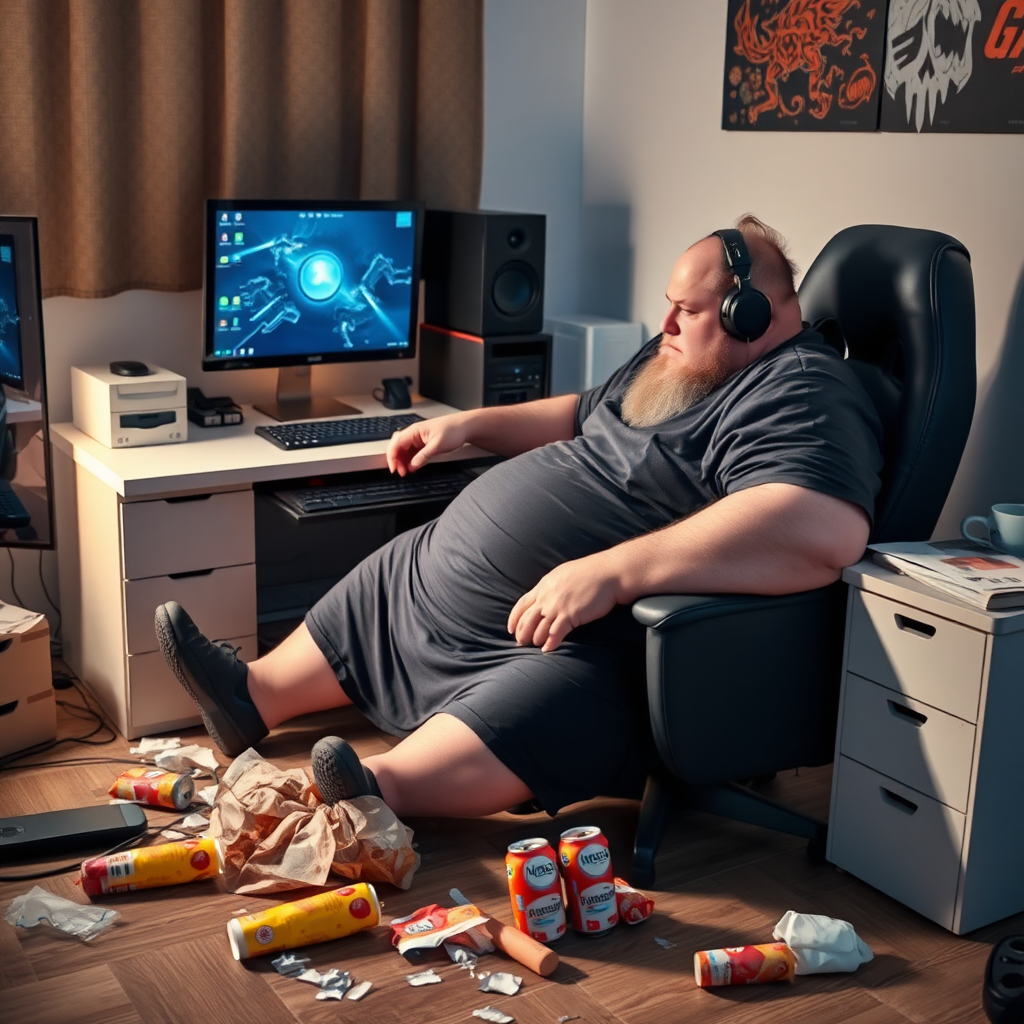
(323, 433)
(342, 495)
(12, 513)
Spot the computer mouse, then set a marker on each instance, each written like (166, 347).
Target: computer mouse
(129, 368)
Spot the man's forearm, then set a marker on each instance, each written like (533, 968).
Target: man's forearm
(774, 539)
(512, 429)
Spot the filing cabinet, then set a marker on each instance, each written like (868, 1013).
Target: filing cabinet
(928, 781)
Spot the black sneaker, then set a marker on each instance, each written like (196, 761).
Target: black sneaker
(338, 772)
(214, 678)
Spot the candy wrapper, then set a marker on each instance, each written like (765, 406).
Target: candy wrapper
(276, 833)
(633, 906)
(39, 906)
(429, 926)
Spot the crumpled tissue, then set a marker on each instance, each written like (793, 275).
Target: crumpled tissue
(276, 833)
(39, 905)
(821, 944)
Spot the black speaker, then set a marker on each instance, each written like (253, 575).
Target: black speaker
(484, 271)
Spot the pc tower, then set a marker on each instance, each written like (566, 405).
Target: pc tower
(482, 342)
(587, 349)
(468, 371)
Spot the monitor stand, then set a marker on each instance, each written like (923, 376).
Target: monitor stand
(294, 402)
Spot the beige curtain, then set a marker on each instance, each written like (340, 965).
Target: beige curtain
(118, 118)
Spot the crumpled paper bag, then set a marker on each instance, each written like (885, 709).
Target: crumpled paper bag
(821, 944)
(276, 833)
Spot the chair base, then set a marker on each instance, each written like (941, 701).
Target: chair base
(729, 800)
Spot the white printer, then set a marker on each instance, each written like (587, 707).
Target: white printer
(129, 411)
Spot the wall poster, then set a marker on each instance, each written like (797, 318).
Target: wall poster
(954, 66)
(804, 65)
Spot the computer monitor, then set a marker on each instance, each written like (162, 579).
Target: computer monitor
(291, 284)
(26, 478)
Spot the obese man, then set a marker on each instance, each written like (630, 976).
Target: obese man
(735, 453)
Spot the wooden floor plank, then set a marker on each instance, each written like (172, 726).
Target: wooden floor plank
(719, 883)
(91, 996)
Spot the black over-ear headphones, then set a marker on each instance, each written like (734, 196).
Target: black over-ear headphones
(746, 312)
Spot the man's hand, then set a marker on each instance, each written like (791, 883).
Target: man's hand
(416, 445)
(570, 595)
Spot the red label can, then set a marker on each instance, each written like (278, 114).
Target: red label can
(589, 880)
(535, 889)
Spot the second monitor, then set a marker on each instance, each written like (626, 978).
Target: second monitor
(293, 284)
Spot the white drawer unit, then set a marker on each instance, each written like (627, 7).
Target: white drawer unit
(120, 558)
(927, 801)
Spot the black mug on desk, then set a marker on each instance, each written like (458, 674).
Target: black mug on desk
(394, 393)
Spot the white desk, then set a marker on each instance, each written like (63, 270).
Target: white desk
(140, 526)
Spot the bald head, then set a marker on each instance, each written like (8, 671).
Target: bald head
(771, 269)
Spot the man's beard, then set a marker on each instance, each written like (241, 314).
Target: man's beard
(659, 390)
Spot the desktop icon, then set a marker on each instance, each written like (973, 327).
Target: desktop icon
(238, 237)
(223, 300)
(223, 324)
(224, 237)
(234, 321)
(236, 300)
(223, 216)
(238, 216)
(223, 259)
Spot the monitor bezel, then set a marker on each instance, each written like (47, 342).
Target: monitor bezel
(28, 281)
(210, 313)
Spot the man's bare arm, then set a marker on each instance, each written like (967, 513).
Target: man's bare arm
(503, 429)
(770, 539)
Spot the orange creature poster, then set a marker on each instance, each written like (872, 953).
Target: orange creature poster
(803, 65)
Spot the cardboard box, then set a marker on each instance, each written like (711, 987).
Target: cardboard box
(28, 706)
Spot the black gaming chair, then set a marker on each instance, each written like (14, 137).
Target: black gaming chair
(900, 302)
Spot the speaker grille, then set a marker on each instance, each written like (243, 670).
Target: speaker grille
(516, 289)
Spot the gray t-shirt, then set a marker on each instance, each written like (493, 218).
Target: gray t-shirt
(797, 415)
(419, 627)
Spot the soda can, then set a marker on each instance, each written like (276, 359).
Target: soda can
(589, 880)
(148, 867)
(155, 787)
(744, 965)
(535, 888)
(329, 915)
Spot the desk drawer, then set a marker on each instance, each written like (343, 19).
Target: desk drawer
(164, 537)
(921, 655)
(920, 746)
(894, 838)
(157, 701)
(221, 602)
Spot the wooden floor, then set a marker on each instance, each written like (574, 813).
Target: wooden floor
(719, 884)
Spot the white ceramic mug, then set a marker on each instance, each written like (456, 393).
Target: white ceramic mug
(1005, 528)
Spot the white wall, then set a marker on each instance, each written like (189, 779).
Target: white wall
(653, 150)
(533, 127)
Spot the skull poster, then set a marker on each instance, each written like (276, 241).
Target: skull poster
(803, 65)
(954, 66)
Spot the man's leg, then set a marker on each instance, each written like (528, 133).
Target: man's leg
(294, 679)
(239, 703)
(443, 768)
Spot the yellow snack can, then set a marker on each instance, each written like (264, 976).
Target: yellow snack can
(147, 867)
(329, 915)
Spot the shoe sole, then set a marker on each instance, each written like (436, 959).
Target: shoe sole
(341, 771)
(170, 647)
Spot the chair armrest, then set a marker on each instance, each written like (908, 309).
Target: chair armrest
(743, 685)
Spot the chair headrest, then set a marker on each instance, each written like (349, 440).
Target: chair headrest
(900, 301)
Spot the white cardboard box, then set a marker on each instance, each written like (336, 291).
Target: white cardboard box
(28, 708)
